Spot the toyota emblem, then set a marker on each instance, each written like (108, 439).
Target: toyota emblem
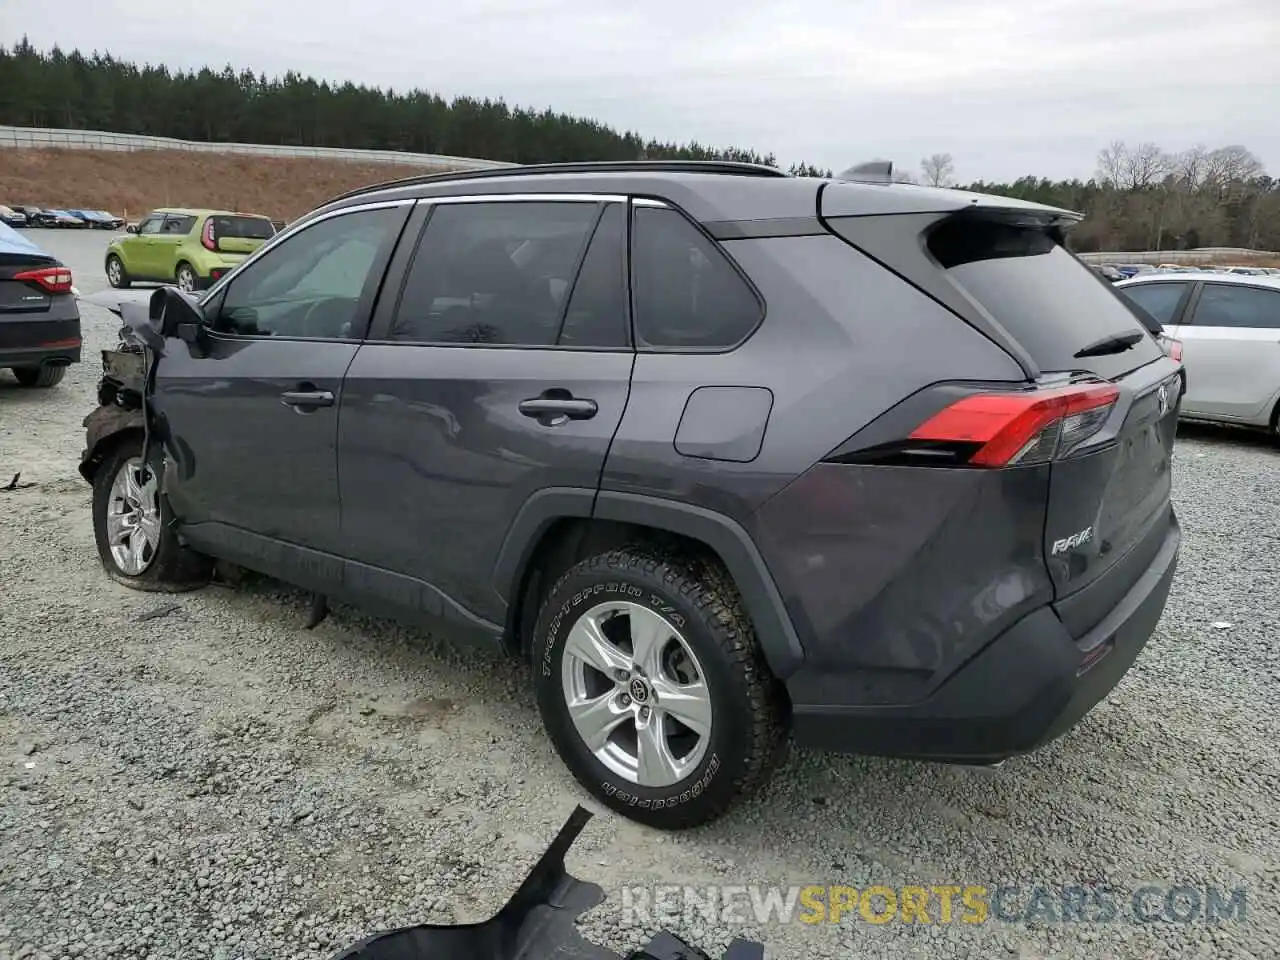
(1162, 398)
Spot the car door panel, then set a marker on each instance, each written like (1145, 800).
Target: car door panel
(137, 249)
(437, 457)
(1233, 369)
(442, 444)
(250, 414)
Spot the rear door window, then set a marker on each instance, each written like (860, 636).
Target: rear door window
(1046, 299)
(1229, 305)
(1159, 300)
(496, 273)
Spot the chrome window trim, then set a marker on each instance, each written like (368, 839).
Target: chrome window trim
(527, 198)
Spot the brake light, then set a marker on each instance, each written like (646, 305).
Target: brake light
(206, 236)
(1007, 429)
(1172, 347)
(50, 279)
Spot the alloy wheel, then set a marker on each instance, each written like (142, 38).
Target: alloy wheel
(636, 694)
(133, 518)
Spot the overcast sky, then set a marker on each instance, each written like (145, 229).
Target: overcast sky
(1008, 87)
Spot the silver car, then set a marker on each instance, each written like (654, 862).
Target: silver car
(1229, 329)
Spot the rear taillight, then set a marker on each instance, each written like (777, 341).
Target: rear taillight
(206, 236)
(1007, 429)
(49, 279)
(1171, 347)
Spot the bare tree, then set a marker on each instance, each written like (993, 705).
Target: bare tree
(938, 169)
(1132, 168)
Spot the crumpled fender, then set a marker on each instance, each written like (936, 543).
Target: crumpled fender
(537, 923)
(100, 425)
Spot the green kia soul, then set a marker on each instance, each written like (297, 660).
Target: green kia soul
(191, 248)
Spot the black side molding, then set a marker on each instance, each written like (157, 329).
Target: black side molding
(778, 638)
(760, 594)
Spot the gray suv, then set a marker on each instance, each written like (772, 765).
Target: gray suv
(728, 456)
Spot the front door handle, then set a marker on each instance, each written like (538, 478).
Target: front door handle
(306, 399)
(556, 408)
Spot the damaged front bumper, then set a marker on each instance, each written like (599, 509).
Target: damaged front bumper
(537, 923)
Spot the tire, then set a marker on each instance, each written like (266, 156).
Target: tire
(185, 277)
(117, 275)
(709, 658)
(164, 564)
(46, 376)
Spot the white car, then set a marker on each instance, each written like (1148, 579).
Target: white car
(1229, 329)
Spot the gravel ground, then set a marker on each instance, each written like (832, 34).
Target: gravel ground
(215, 781)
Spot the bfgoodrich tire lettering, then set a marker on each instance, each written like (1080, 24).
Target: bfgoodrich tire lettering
(696, 597)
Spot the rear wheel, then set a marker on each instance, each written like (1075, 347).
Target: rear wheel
(132, 525)
(653, 688)
(186, 278)
(117, 276)
(46, 376)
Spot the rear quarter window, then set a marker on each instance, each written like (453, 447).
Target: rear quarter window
(1047, 299)
(687, 294)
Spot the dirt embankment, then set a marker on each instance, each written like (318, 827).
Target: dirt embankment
(130, 184)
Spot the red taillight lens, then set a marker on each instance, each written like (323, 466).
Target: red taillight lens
(1020, 428)
(1171, 347)
(50, 279)
(206, 236)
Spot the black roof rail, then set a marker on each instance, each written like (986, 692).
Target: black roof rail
(722, 167)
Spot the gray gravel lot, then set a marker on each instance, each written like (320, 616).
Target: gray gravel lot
(219, 782)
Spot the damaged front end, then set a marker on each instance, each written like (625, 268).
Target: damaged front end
(121, 389)
(537, 923)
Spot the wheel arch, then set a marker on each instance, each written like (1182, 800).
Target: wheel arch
(105, 429)
(557, 527)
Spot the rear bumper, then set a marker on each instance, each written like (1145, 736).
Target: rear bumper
(38, 356)
(1029, 686)
(33, 340)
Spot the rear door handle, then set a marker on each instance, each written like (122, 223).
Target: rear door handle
(303, 399)
(553, 408)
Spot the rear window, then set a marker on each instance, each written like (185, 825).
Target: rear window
(243, 228)
(1047, 300)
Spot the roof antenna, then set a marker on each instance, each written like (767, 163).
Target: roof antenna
(874, 171)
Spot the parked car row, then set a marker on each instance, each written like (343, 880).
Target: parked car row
(25, 215)
(1115, 272)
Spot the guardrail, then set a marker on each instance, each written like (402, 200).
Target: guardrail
(54, 138)
(1240, 255)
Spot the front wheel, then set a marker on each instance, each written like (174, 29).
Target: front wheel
(653, 688)
(132, 525)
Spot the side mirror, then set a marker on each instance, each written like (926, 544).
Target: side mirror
(176, 313)
(131, 228)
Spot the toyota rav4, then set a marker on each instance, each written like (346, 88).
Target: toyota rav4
(729, 456)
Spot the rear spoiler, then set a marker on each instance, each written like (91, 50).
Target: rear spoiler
(537, 923)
